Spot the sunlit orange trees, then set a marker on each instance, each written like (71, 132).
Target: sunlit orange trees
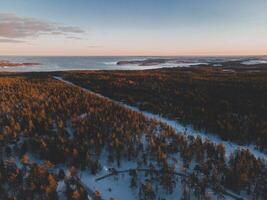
(45, 119)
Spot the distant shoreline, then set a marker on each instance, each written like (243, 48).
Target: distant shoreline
(6, 63)
(38, 64)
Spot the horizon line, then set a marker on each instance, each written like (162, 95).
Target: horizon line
(186, 55)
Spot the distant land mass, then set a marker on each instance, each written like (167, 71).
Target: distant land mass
(173, 61)
(147, 62)
(5, 63)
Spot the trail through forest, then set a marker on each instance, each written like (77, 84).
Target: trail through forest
(181, 129)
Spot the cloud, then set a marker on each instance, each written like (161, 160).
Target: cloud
(13, 26)
(70, 29)
(74, 38)
(4, 40)
(93, 46)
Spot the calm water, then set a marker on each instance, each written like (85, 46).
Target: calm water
(101, 63)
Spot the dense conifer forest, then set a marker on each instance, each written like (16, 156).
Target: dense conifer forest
(50, 131)
(229, 101)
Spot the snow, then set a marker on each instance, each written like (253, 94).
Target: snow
(159, 65)
(110, 187)
(182, 129)
(217, 65)
(189, 130)
(69, 129)
(228, 70)
(61, 189)
(119, 186)
(254, 62)
(82, 116)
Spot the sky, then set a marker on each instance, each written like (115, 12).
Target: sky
(133, 27)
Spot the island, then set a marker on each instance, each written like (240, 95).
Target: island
(147, 62)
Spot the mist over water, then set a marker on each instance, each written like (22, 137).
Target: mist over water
(57, 63)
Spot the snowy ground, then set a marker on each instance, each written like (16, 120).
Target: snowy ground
(119, 186)
(254, 62)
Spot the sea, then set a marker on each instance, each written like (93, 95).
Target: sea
(65, 63)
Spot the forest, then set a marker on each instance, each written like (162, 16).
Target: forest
(50, 131)
(229, 101)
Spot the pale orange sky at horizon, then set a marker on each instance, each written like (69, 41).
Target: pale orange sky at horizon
(83, 51)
